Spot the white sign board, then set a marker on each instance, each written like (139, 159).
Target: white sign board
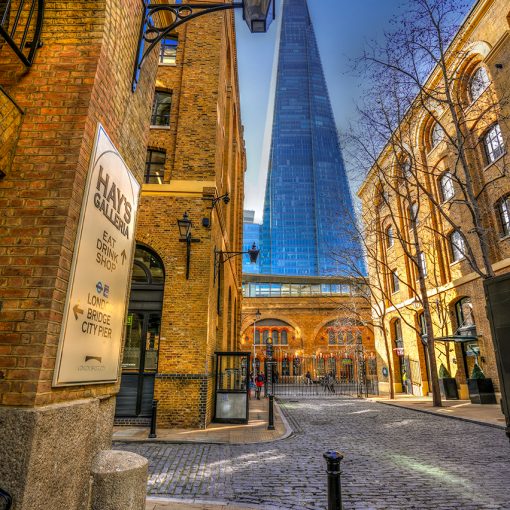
(93, 323)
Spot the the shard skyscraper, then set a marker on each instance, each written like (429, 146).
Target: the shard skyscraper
(308, 213)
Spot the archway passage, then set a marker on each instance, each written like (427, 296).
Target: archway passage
(140, 360)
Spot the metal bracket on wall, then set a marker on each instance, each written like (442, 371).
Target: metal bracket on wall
(16, 24)
(160, 20)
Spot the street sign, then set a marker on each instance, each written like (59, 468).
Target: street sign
(93, 323)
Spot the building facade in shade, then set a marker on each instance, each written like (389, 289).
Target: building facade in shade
(251, 234)
(308, 206)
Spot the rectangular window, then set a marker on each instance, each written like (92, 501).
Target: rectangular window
(423, 263)
(168, 51)
(395, 283)
(161, 109)
(457, 246)
(154, 166)
(494, 145)
(504, 215)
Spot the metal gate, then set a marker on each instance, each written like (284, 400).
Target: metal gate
(331, 375)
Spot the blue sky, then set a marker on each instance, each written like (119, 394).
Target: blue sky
(341, 28)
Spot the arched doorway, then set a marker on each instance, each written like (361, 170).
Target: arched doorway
(140, 360)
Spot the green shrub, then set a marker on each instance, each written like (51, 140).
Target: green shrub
(477, 372)
(443, 372)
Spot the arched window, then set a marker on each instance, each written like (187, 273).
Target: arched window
(147, 267)
(478, 83)
(331, 337)
(285, 337)
(397, 333)
(437, 134)
(413, 211)
(395, 282)
(457, 246)
(493, 143)
(446, 186)
(464, 313)
(405, 166)
(257, 337)
(503, 210)
(274, 336)
(349, 337)
(265, 336)
(389, 236)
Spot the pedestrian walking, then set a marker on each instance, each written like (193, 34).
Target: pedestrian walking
(259, 383)
(308, 378)
(252, 387)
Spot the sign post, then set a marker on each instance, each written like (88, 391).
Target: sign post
(93, 323)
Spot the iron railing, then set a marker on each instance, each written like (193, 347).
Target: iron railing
(20, 27)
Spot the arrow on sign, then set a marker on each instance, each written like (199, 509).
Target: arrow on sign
(124, 256)
(77, 310)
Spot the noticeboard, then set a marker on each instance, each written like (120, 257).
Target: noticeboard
(93, 323)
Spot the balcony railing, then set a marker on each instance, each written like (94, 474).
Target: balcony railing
(20, 27)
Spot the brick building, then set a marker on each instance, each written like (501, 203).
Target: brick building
(195, 154)
(424, 153)
(55, 111)
(316, 325)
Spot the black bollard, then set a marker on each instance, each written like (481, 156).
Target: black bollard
(270, 425)
(154, 413)
(333, 460)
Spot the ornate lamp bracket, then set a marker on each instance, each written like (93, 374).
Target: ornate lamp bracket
(160, 20)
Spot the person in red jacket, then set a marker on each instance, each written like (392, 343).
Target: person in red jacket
(259, 382)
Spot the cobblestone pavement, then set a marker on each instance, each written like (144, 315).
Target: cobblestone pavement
(395, 458)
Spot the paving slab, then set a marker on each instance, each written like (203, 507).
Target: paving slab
(485, 414)
(255, 431)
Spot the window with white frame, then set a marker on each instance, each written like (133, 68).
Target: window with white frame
(395, 282)
(493, 143)
(479, 82)
(413, 211)
(423, 263)
(168, 51)
(406, 168)
(457, 246)
(437, 134)
(389, 236)
(503, 208)
(446, 186)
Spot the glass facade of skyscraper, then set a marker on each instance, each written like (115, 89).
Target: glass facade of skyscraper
(308, 211)
(251, 234)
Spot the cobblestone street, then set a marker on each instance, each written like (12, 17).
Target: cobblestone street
(394, 459)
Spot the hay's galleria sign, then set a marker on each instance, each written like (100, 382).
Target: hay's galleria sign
(93, 323)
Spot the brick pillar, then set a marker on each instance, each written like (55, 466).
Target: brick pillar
(81, 76)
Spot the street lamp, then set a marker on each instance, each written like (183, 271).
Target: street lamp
(185, 225)
(257, 317)
(221, 257)
(160, 20)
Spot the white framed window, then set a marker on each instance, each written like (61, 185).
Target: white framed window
(389, 236)
(406, 168)
(457, 246)
(423, 263)
(413, 211)
(395, 282)
(503, 208)
(446, 185)
(437, 134)
(478, 83)
(493, 143)
(168, 51)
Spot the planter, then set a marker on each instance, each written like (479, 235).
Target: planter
(448, 386)
(481, 391)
